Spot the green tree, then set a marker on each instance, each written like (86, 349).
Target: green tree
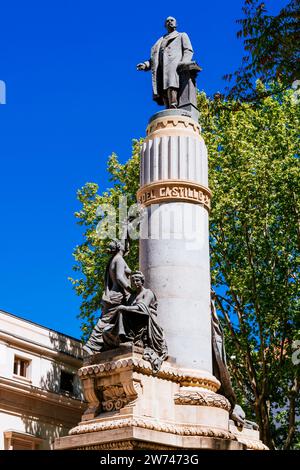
(254, 238)
(91, 257)
(271, 44)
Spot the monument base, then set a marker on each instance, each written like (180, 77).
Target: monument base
(132, 408)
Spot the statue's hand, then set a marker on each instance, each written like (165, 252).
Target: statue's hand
(141, 66)
(121, 307)
(181, 65)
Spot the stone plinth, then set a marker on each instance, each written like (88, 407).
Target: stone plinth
(248, 437)
(130, 407)
(174, 245)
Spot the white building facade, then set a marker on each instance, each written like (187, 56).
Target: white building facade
(40, 393)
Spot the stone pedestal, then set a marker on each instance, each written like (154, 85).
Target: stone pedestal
(248, 437)
(129, 407)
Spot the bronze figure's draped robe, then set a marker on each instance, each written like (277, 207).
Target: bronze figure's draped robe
(127, 316)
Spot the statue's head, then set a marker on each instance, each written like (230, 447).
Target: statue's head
(137, 279)
(171, 24)
(115, 246)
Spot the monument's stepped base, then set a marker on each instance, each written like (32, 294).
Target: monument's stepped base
(131, 408)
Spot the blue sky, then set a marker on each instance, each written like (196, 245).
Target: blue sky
(73, 97)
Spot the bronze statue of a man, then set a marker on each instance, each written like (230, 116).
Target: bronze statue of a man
(168, 54)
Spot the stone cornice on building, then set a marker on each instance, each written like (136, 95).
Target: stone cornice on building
(40, 349)
(36, 334)
(21, 398)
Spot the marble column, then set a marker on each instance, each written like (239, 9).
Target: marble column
(178, 407)
(174, 244)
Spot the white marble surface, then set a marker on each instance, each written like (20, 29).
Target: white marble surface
(174, 245)
(174, 157)
(177, 270)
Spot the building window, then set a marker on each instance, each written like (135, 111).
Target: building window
(67, 382)
(21, 367)
(15, 440)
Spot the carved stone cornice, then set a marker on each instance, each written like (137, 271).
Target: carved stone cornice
(174, 191)
(119, 445)
(24, 400)
(166, 124)
(20, 390)
(185, 377)
(154, 425)
(201, 398)
(114, 397)
(125, 445)
(252, 444)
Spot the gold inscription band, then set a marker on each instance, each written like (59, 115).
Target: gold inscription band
(174, 190)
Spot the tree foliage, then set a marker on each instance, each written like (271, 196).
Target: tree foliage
(255, 240)
(271, 44)
(91, 257)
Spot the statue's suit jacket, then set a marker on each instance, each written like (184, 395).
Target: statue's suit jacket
(173, 48)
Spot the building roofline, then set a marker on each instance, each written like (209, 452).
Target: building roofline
(39, 325)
